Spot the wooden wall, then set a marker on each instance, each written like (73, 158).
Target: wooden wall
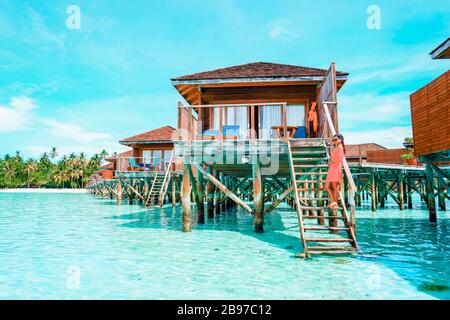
(391, 156)
(430, 112)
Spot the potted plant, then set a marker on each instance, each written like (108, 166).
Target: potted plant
(408, 143)
(409, 158)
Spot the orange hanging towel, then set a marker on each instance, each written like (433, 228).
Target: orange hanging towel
(312, 117)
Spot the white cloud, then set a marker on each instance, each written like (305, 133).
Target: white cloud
(416, 64)
(17, 115)
(283, 29)
(362, 109)
(389, 138)
(74, 132)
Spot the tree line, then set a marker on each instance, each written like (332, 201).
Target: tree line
(70, 171)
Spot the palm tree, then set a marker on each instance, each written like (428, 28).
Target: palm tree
(30, 168)
(53, 153)
(9, 170)
(103, 154)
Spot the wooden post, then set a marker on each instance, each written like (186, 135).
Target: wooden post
(382, 191)
(200, 203)
(217, 194)
(373, 195)
(430, 192)
(119, 192)
(258, 196)
(210, 195)
(441, 190)
(333, 222)
(409, 192)
(223, 197)
(185, 200)
(401, 199)
(174, 192)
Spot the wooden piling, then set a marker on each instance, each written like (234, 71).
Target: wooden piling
(174, 192)
(441, 195)
(373, 193)
(119, 192)
(258, 196)
(200, 196)
(185, 200)
(409, 192)
(430, 193)
(210, 195)
(400, 191)
(217, 194)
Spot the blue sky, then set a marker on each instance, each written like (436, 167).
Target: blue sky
(83, 90)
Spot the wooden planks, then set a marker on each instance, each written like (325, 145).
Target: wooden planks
(430, 112)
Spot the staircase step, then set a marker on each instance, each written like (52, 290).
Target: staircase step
(310, 166)
(329, 248)
(308, 152)
(325, 228)
(329, 240)
(314, 199)
(319, 208)
(309, 159)
(322, 217)
(312, 173)
(310, 181)
(336, 251)
(311, 189)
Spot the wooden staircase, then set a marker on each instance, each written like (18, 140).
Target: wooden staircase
(155, 189)
(322, 230)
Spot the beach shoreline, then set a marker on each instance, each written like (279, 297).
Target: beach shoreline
(42, 190)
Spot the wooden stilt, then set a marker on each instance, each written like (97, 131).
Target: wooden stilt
(174, 192)
(119, 192)
(200, 196)
(409, 192)
(217, 194)
(430, 193)
(373, 195)
(401, 199)
(441, 197)
(210, 195)
(258, 194)
(185, 200)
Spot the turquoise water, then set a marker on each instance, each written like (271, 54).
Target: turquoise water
(76, 246)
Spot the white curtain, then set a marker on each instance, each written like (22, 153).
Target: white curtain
(147, 156)
(269, 116)
(295, 115)
(167, 155)
(233, 116)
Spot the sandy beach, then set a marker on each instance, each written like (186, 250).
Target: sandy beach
(42, 190)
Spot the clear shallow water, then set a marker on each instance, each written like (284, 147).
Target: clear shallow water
(75, 246)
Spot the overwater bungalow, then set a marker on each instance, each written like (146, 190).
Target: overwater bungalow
(358, 152)
(266, 128)
(430, 112)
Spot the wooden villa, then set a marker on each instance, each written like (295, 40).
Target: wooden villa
(261, 132)
(430, 112)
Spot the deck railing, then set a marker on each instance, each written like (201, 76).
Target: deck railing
(190, 124)
(131, 164)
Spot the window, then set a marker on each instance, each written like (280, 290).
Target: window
(269, 116)
(295, 115)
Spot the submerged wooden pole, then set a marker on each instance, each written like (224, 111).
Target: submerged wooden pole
(210, 195)
(217, 194)
(185, 200)
(401, 199)
(409, 192)
(441, 197)
(119, 192)
(430, 192)
(200, 196)
(174, 192)
(373, 193)
(258, 196)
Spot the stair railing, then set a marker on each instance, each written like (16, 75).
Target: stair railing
(352, 186)
(165, 183)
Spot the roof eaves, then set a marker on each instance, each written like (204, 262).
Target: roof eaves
(176, 82)
(440, 49)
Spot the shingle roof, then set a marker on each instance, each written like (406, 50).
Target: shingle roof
(160, 134)
(258, 70)
(352, 150)
(125, 154)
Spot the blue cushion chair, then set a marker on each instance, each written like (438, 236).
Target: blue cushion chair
(300, 133)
